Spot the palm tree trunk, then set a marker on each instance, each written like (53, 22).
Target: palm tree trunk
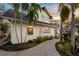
(73, 29)
(61, 31)
(16, 30)
(21, 22)
(55, 32)
(25, 35)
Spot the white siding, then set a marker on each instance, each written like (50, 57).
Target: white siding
(43, 17)
(37, 31)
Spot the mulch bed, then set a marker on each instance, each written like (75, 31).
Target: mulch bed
(20, 46)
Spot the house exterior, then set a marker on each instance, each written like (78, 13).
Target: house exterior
(56, 18)
(43, 27)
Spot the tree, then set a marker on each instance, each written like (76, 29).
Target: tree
(31, 9)
(64, 14)
(15, 9)
(72, 7)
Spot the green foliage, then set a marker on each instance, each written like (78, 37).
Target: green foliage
(67, 36)
(77, 42)
(32, 10)
(4, 27)
(77, 17)
(64, 12)
(21, 46)
(16, 47)
(40, 39)
(64, 47)
(68, 48)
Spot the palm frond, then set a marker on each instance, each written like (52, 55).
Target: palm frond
(25, 6)
(36, 6)
(60, 6)
(64, 12)
(16, 7)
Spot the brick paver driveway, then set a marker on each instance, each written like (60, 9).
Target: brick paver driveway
(44, 49)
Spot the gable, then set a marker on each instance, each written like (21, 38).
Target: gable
(44, 16)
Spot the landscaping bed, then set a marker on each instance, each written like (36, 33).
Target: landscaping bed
(4, 29)
(64, 47)
(77, 45)
(21, 46)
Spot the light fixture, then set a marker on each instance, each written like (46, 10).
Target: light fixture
(30, 26)
(30, 30)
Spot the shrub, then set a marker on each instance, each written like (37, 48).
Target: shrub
(64, 48)
(50, 37)
(21, 46)
(77, 45)
(67, 36)
(45, 38)
(77, 42)
(4, 28)
(17, 47)
(40, 39)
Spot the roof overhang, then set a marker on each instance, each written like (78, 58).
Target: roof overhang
(38, 22)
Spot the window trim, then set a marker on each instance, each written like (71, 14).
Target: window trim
(32, 30)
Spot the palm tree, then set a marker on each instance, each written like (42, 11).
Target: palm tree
(73, 7)
(31, 9)
(15, 9)
(64, 14)
(33, 14)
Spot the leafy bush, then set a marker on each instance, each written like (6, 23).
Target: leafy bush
(67, 36)
(17, 47)
(64, 47)
(21, 46)
(77, 41)
(77, 45)
(40, 39)
(4, 27)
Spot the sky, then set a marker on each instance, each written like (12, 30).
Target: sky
(51, 7)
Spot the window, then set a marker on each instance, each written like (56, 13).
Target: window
(30, 30)
(45, 19)
(46, 30)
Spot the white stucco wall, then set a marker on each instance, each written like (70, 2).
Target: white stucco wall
(37, 31)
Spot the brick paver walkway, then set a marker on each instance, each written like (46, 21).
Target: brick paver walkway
(44, 49)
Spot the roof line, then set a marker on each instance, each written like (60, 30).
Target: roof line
(47, 12)
(41, 23)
